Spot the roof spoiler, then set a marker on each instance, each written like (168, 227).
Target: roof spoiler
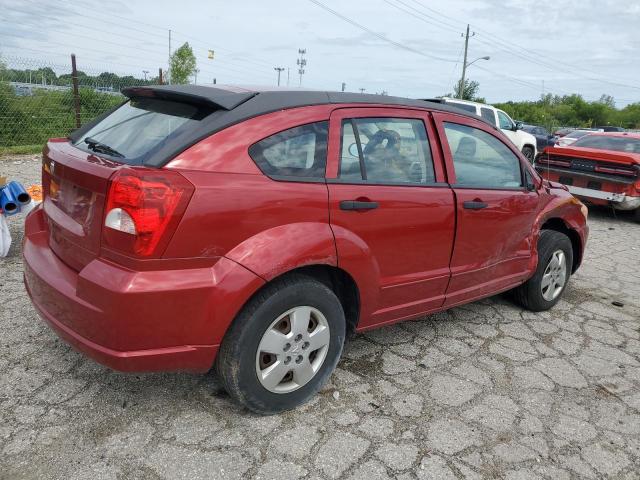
(433, 100)
(198, 95)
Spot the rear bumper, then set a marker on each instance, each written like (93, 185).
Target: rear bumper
(620, 193)
(129, 320)
(191, 358)
(619, 200)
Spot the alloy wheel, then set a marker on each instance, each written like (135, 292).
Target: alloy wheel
(554, 276)
(293, 349)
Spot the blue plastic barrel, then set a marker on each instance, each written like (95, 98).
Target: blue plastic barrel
(19, 193)
(8, 202)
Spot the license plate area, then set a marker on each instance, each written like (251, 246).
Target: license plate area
(583, 165)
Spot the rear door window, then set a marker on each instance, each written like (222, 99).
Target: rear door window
(488, 115)
(386, 151)
(300, 152)
(481, 160)
(135, 130)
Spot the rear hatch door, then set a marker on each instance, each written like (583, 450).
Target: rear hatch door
(75, 185)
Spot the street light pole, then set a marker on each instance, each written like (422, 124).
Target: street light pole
(145, 74)
(465, 65)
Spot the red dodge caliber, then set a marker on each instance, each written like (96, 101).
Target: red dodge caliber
(196, 227)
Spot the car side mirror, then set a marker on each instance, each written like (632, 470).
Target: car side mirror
(530, 182)
(531, 185)
(518, 126)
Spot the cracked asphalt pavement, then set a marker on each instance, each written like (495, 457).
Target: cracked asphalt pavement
(487, 390)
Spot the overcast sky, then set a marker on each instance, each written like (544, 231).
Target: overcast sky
(589, 47)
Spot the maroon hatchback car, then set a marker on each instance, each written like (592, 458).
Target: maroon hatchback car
(196, 227)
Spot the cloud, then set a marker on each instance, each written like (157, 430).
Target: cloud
(575, 40)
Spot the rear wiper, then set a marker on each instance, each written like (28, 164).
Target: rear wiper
(97, 146)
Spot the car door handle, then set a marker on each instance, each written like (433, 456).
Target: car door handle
(475, 205)
(357, 205)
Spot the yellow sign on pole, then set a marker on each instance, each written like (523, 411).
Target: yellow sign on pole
(210, 54)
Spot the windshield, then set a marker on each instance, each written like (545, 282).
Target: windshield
(604, 142)
(140, 127)
(578, 134)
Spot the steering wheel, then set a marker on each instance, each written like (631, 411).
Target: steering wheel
(392, 137)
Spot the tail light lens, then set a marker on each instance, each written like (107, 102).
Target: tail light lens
(143, 208)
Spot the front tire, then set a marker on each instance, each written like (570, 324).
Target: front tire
(527, 151)
(283, 346)
(555, 258)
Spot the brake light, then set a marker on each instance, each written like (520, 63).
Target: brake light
(142, 208)
(615, 171)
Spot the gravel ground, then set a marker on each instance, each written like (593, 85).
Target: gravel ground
(482, 391)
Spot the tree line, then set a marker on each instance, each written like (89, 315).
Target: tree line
(29, 119)
(553, 111)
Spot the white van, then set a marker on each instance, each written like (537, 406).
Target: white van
(525, 142)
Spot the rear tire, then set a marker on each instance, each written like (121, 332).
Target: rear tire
(555, 259)
(527, 151)
(283, 346)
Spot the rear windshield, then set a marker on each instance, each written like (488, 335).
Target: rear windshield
(137, 129)
(603, 142)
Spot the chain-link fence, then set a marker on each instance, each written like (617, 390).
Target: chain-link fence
(37, 99)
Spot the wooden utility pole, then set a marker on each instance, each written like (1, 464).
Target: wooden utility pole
(76, 93)
(279, 70)
(464, 64)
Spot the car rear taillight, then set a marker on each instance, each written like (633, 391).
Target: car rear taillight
(143, 208)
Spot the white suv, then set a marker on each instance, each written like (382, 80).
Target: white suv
(525, 142)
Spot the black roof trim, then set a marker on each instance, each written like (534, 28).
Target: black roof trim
(200, 95)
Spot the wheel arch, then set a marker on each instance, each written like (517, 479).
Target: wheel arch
(336, 279)
(559, 225)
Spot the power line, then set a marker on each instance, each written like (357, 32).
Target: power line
(379, 35)
(422, 16)
(80, 48)
(262, 64)
(523, 53)
(93, 28)
(158, 57)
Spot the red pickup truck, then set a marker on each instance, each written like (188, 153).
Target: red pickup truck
(251, 231)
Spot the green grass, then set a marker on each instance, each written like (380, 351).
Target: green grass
(21, 149)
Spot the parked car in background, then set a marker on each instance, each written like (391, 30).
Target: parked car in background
(601, 168)
(561, 132)
(195, 226)
(571, 137)
(543, 137)
(609, 128)
(525, 142)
